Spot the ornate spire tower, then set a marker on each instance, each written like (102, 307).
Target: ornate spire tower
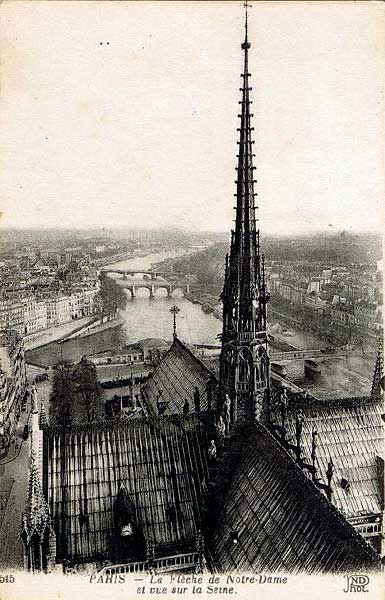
(244, 361)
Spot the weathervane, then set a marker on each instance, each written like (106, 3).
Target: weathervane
(174, 311)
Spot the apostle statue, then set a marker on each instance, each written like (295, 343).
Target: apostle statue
(220, 429)
(212, 452)
(227, 412)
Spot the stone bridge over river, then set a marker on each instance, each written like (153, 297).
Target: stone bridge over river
(135, 279)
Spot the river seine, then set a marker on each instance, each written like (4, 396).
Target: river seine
(143, 318)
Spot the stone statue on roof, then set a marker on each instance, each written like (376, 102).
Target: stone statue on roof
(34, 401)
(212, 451)
(227, 412)
(221, 429)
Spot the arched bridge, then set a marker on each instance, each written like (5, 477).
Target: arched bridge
(134, 286)
(135, 279)
(132, 272)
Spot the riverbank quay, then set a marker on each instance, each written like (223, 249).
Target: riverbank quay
(96, 326)
(110, 260)
(65, 335)
(55, 333)
(121, 372)
(208, 304)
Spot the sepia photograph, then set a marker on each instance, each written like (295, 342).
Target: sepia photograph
(191, 299)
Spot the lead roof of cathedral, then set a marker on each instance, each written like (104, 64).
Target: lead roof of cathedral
(280, 521)
(350, 432)
(160, 462)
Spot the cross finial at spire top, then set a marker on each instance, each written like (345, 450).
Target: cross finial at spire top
(174, 311)
(246, 43)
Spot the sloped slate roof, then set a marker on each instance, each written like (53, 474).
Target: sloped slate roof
(351, 433)
(177, 375)
(161, 465)
(280, 520)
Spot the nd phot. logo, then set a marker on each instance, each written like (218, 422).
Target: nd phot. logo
(356, 583)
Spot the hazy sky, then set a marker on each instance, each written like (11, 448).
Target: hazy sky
(140, 131)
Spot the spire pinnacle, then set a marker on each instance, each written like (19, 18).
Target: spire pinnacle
(246, 44)
(36, 516)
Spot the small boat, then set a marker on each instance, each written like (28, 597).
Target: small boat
(287, 333)
(312, 369)
(279, 369)
(207, 308)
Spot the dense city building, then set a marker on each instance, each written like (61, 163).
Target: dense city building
(13, 385)
(12, 315)
(348, 295)
(28, 314)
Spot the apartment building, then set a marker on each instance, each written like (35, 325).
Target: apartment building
(13, 385)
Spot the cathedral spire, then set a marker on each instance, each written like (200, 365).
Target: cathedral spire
(246, 247)
(244, 268)
(244, 293)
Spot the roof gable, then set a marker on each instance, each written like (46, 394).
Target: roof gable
(177, 375)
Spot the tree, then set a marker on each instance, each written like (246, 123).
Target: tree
(85, 378)
(358, 339)
(76, 396)
(154, 357)
(62, 393)
(111, 296)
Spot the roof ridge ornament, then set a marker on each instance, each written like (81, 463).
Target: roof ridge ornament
(174, 310)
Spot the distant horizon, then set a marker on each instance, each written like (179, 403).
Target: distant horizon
(185, 231)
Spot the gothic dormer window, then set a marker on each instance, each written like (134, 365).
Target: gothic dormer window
(124, 513)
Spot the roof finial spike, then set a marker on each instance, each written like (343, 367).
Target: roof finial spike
(174, 311)
(246, 44)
